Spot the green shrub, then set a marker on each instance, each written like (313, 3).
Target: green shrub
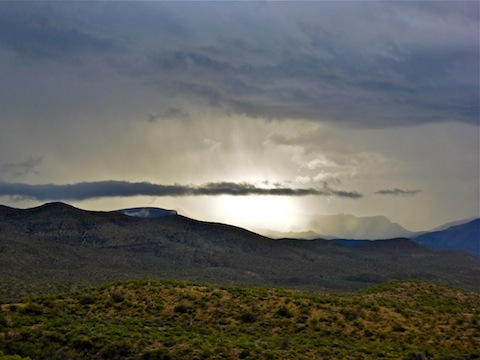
(32, 309)
(284, 312)
(3, 322)
(88, 299)
(350, 315)
(244, 354)
(13, 357)
(183, 309)
(117, 350)
(82, 342)
(248, 317)
(117, 297)
(158, 354)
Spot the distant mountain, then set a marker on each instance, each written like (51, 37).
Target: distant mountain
(464, 237)
(450, 224)
(58, 247)
(343, 226)
(147, 212)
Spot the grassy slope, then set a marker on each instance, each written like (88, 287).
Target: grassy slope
(172, 320)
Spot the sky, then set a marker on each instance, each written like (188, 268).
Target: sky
(259, 114)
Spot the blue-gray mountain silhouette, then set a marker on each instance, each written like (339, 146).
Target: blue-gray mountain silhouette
(464, 237)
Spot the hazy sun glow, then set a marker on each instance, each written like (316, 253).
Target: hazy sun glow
(258, 212)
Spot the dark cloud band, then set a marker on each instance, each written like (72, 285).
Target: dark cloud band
(91, 190)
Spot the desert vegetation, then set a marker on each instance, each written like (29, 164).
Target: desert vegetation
(179, 320)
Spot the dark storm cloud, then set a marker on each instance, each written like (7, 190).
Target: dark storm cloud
(101, 189)
(44, 36)
(328, 90)
(395, 80)
(357, 64)
(398, 192)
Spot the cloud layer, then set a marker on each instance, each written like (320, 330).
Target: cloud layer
(388, 65)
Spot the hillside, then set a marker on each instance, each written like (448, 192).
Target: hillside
(464, 237)
(171, 320)
(56, 247)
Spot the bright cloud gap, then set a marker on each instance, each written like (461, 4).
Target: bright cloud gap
(100, 189)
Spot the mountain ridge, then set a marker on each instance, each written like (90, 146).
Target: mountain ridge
(345, 226)
(452, 223)
(464, 237)
(348, 226)
(56, 245)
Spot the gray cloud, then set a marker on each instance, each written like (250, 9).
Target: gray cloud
(170, 113)
(407, 72)
(47, 34)
(21, 168)
(378, 93)
(398, 192)
(353, 64)
(92, 190)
